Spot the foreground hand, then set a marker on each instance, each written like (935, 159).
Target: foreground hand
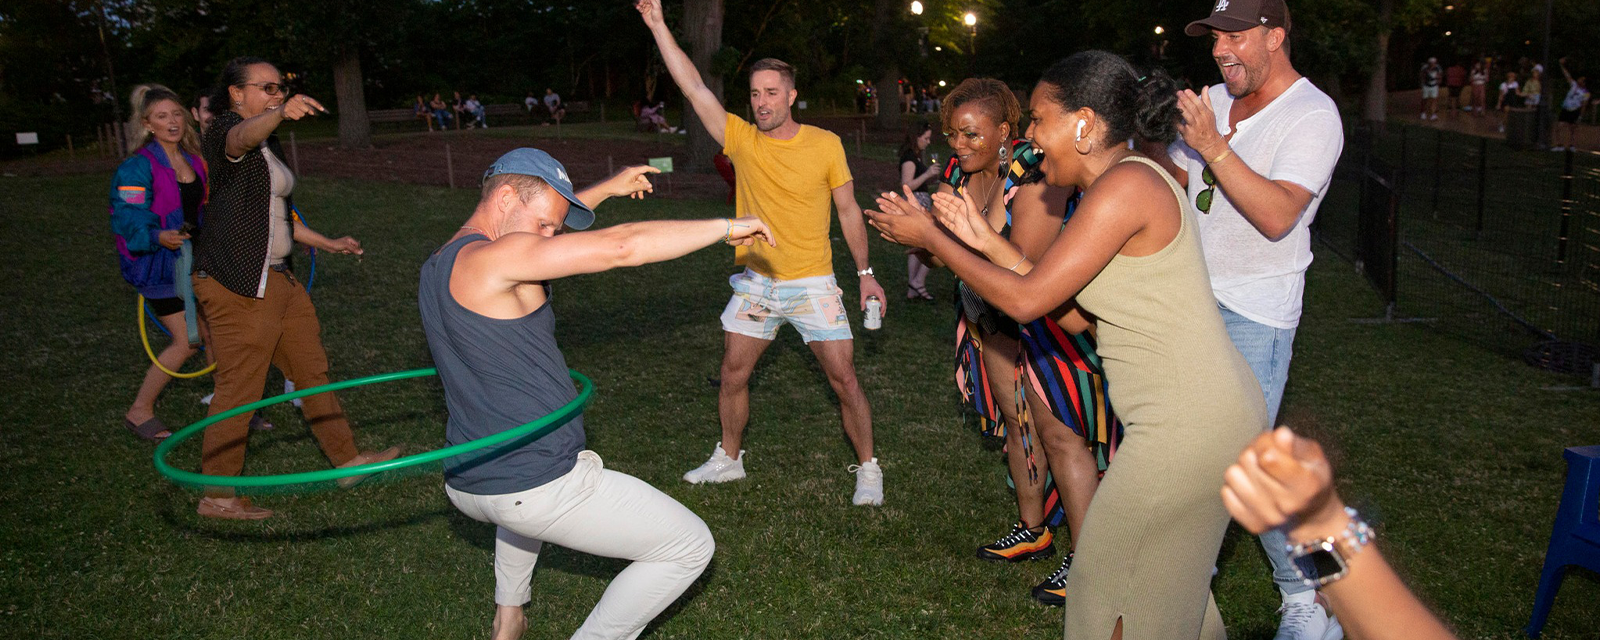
(745, 231)
(1282, 479)
(871, 288)
(631, 182)
(960, 215)
(650, 10)
(301, 105)
(346, 244)
(172, 238)
(903, 221)
(1198, 126)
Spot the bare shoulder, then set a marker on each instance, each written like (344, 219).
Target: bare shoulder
(1129, 181)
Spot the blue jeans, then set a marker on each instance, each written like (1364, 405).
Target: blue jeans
(1268, 350)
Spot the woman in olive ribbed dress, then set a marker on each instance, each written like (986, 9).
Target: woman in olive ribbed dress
(1131, 257)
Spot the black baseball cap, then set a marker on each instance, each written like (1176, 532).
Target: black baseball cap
(1239, 15)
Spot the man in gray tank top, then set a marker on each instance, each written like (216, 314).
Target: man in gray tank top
(485, 302)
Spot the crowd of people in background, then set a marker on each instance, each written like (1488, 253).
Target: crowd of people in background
(1460, 89)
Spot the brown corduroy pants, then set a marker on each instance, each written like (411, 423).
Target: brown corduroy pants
(247, 334)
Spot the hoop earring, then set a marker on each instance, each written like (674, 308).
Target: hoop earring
(1082, 151)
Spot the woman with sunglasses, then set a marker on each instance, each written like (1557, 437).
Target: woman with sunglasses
(1130, 256)
(1032, 385)
(258, 312)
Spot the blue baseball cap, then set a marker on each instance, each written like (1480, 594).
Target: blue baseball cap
(528, 161)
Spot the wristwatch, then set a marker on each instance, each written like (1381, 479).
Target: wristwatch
(865, 272)
(1324, 560)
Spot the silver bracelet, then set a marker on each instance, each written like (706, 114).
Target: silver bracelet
(1013, 268)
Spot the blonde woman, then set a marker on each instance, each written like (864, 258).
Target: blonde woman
(156, 198)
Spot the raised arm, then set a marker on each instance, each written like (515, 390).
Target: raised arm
(631, 182)
(1284, 481)
(1273, 207)
(528, 257)
(251, 133)
(706, 104)
(1105, 222)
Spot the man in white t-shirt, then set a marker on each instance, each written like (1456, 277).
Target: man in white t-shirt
(1257, 155)
(1429, 77)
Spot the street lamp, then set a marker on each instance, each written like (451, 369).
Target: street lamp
(1160, 30)
(971, 20)
(916, 7)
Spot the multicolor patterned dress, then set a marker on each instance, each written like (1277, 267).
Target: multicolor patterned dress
(1063, 369)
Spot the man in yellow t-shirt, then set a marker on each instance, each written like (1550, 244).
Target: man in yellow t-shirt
(788, 176)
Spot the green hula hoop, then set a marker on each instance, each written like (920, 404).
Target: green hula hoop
(537, 429)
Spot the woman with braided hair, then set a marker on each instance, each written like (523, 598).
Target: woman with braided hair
(1039, 387)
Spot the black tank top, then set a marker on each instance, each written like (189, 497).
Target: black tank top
(191, 194)
(497, 374)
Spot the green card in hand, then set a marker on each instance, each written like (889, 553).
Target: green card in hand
(664, 164)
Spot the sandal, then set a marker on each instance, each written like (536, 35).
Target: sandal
(152, 430)
(913, 293)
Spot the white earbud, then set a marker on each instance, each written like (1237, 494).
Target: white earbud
(1081, 124)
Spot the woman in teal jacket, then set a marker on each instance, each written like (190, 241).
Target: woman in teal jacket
(157, 196)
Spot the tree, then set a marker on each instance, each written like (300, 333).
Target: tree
(702, 25)
(1374, 106)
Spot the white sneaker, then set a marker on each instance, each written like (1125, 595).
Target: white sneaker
(720, 468)
(1307, 621)
(869, 483)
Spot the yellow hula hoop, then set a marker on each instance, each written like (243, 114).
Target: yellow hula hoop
(144, 337)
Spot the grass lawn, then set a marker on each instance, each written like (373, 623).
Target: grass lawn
(1454, 451)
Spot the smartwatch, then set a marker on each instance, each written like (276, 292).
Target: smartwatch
(1321, 561)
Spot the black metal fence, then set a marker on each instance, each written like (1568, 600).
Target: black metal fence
(1498, 245)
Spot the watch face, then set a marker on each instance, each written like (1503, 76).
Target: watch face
(1319, 564)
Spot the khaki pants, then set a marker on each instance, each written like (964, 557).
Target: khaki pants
(246, 335)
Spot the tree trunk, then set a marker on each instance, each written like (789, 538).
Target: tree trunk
(888, 118)
(351, 99)
(702, 24)
(1375, 107)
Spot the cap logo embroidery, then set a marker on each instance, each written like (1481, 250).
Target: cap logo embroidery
(1263, 19)
(563, 174)
(1222, 5)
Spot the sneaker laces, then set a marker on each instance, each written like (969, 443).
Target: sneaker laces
(1018, 535)
(873, 472)
(1297, 615)
(1060, 575)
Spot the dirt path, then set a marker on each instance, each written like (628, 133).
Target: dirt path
(422, 158)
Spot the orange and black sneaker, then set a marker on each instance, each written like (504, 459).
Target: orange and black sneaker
(1053, 591)
(1021, 544)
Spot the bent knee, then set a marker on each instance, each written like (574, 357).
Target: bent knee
(700, 546)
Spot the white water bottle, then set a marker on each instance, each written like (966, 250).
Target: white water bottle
(874, 320)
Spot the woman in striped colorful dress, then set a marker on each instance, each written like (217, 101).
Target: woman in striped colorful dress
(1006, 371)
